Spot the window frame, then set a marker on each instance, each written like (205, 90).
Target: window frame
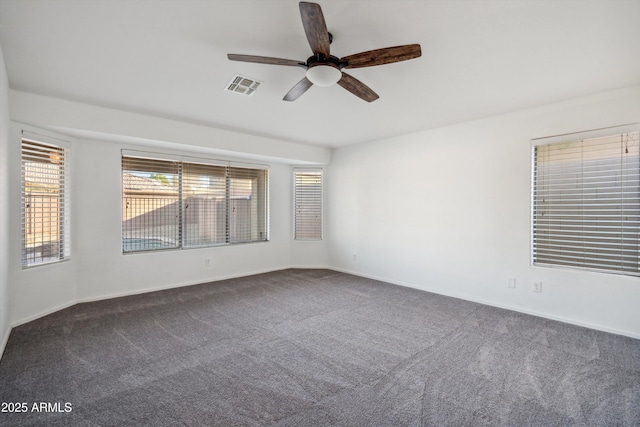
(315, 231)
(588, 198)
(33, 145)
(187, 173)
(154, 194)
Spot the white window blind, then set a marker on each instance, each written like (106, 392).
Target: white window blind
(586, 203)
(308, 204)
(247, 205)
(151, 204)
(173, 203)
(204, 197)
(45, 203)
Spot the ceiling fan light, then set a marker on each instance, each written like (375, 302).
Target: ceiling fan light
(323, 75)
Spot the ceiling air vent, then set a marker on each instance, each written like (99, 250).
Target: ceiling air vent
(243, 85)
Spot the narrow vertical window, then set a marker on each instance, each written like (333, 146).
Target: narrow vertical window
(45, 203)
(308, 204)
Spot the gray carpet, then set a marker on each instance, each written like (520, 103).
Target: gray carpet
(314, 348)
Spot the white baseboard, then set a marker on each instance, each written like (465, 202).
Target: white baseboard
(5, 339)
(42, 314)
(355, 273)
(155, 289)
(311, 267)
(493, 304)
(135, 292)
(176, 285)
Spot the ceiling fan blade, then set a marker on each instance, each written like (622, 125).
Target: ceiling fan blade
(265, 60)
(301, 87)
(315, 27)
(383, 56)
(357, 88)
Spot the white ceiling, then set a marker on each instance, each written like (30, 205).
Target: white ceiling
(168, 58)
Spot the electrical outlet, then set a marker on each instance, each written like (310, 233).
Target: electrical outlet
(537, 287)
(355, 257)
(207, 262)
(511, 283)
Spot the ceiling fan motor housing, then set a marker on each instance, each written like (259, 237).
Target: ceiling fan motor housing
(324, 70)
(321, 59)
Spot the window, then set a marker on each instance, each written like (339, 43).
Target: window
(179, 203)
(45, 202)
(308, 204)
(151, 204)
(248, 205)
(204, 197)
(586, 202)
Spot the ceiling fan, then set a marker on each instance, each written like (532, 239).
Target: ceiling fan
(324, 69)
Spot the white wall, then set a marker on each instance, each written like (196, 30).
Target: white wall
(104, 271)
(5, 316)
(97, 268)
(448, 210)
(115, 125)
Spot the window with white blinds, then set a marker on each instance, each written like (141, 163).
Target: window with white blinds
(204, 197)
(248, 205)
(45, 203)
(308, 204)
(586, 203)
(175, 203)
(150, 204)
